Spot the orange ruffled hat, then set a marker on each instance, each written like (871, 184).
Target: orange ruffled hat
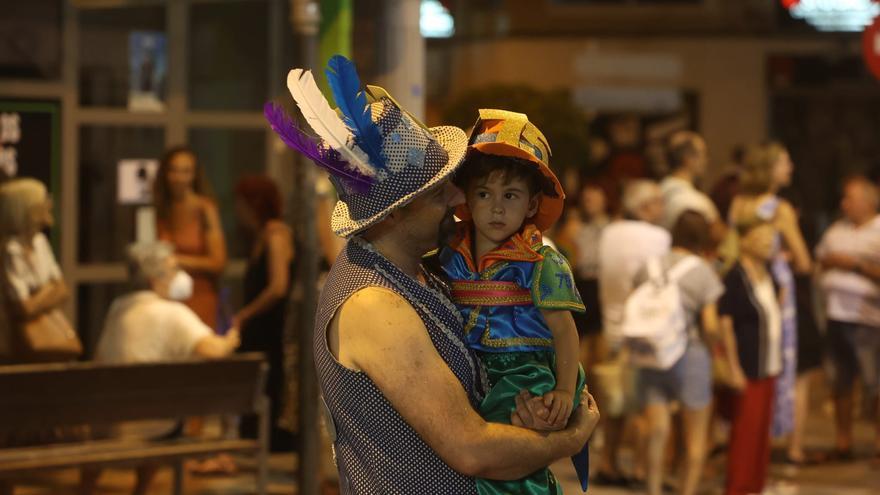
(505, 133)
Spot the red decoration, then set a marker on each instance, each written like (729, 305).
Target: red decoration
(871, 47)
(789, 3)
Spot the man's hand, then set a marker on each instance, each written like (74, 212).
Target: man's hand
(560, 404)
(233, 338)
(531, 413)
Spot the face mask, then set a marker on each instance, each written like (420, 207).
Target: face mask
(181, 286)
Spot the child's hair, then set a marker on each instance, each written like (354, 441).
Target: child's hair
(479, 166)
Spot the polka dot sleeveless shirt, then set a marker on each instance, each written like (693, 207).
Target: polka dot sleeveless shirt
(376, 451)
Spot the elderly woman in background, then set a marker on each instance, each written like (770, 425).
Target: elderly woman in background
(32, 281)
(187, 217)
(750, 309)
(267, 284)
(767, 168)
(32, 289)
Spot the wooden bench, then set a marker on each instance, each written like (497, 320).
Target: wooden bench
(40, 397)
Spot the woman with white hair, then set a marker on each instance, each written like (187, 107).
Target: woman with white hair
(149, 325)
(32, 281)
(152, 324)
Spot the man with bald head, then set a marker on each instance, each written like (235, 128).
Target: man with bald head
(850, 257)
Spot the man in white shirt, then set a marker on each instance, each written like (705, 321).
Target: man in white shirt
(624, 246)
(688, 160)
(849, 253)
(152, 325)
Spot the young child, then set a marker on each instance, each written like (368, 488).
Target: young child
(514, 293)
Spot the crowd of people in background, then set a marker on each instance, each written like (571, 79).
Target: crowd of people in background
(747, 281)
(172, 310)
(757, 325)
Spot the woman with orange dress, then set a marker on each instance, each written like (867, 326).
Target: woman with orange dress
(187, 217)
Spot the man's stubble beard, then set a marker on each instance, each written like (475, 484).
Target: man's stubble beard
(446, 229)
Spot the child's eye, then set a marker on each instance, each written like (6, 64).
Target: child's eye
(510, 196)
(482, 194)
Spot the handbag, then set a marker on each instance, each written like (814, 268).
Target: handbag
(722, 370)
(46, 338)
(616, 385)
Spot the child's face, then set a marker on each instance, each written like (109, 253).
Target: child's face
(499, 205)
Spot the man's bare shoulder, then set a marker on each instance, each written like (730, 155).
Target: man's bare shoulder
(371, 320)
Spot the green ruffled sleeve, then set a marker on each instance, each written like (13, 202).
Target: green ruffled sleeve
(553, 283)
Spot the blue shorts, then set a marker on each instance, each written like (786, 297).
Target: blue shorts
(688, 381)
(854, 350)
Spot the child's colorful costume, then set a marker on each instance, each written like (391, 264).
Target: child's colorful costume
(502, 295)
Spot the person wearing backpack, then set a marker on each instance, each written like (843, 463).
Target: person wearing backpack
(624, 245)
(672, 313)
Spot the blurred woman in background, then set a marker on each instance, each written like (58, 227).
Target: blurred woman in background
(267, 284)
(767, 168)
(33, 287)
(750, 309)
(187, 217)
(579, 239)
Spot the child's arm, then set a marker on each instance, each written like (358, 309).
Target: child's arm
(567, 345)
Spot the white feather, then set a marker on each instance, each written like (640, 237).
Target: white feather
(325, 121)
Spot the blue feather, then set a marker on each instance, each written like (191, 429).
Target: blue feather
(352, 101)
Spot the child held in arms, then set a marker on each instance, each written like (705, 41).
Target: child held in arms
(515, 294)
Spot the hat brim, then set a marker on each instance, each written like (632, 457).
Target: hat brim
(452, 139)
(551, 207)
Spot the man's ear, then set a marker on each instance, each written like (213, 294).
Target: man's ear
(534, 203)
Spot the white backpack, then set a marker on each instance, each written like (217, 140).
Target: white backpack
(654, 321)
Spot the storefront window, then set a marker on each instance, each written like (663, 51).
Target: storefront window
(228, 55)
(123, 58)
(106, 227)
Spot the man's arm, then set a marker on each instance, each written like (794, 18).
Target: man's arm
(216, 346)
(379, 333)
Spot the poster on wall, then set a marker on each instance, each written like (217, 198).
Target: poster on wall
(30, 143)
(148, 68)
(30, 140)
(134, 181)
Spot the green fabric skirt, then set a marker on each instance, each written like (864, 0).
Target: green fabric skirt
(510, 372)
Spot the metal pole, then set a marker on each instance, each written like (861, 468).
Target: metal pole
(305, 18)
(402, 56)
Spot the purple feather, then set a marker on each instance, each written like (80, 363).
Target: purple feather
(323, 156)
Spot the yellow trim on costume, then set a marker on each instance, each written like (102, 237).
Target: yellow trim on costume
(515, 300)
(562, 305)
(485, 285)
(485, 339)
(513, 341)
